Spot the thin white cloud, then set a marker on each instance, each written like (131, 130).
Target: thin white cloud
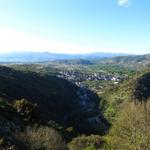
(124, 3)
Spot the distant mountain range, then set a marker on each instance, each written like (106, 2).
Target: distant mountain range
(46, 56)
(131, 59)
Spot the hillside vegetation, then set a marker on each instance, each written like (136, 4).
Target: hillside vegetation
(134, 89)
(54, 96)
(136, 62)
(41, 111)
(43, 100)
(127, 109)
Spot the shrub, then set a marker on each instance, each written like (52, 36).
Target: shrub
(26, 109)
(86, 143)
(6, 145)
(41, 138)
(130, 130)
(68, 133)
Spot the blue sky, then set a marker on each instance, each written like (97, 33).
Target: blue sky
(75, 26)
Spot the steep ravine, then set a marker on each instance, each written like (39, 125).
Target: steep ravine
(88, 114)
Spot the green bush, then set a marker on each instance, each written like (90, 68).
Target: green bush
(92, 142)
(26, 109)
(41, 138)
(89, 148)
(5, 145)
(130, 130)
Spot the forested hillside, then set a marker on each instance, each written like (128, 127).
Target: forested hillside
(132, 61)
(127, 109)
(29, 98)
(49, 92)
(35, 101)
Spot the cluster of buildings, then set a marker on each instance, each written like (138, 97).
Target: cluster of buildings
(78, 77)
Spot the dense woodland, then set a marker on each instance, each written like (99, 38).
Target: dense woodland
(41, 111)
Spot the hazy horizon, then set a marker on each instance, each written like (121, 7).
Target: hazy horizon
(75, 26)
(65, 53)
(59, 53)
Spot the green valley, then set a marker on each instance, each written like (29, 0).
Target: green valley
(80, 105)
